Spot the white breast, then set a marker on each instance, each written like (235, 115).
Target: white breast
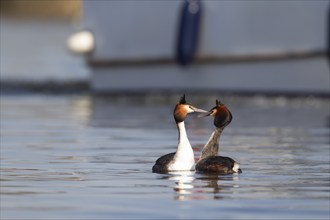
(184, 157)
(183, 160)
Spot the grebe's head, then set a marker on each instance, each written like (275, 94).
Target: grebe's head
(222, 115)
(183, 108)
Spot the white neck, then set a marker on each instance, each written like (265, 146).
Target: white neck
(183, 137)
(184, 156)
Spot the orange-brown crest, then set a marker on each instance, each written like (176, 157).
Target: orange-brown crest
(222, 115)
(180, 112)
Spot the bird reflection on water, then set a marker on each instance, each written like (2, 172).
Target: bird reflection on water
(191, 186)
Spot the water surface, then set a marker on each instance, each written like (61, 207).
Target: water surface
(76, 157)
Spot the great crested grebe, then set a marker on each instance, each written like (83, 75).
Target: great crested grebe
(209, 161)
(183, 158)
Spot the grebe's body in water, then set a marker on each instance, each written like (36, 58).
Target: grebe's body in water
(183, 159)
(209, 161)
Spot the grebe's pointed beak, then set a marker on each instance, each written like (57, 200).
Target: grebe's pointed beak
(205, 114)
(198, 110)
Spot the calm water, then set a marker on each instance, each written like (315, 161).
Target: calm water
(90, 157)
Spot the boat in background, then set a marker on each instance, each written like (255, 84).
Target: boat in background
(243, 46)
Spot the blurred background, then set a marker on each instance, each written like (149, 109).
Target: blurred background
(258, 47)
(34, 54)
